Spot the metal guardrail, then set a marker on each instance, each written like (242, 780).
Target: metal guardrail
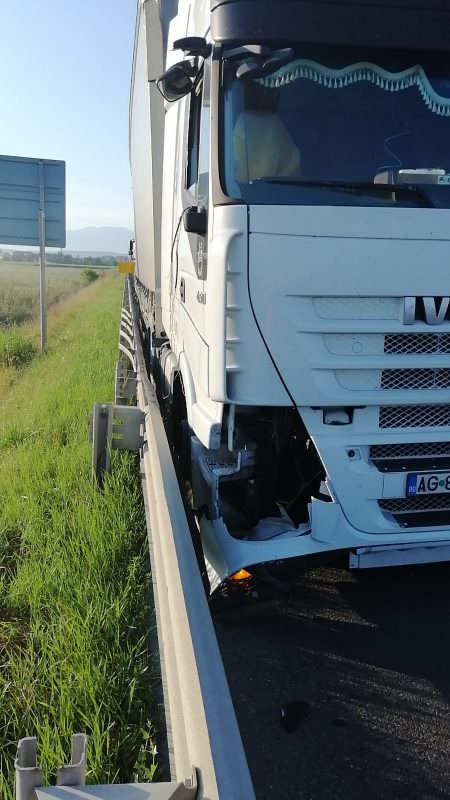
(202, 725)
(206, 753)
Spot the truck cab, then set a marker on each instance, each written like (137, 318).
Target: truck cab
(293, 240)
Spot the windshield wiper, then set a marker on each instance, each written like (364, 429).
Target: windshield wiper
(359, 187)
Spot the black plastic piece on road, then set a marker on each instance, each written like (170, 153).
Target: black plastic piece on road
(293, 714)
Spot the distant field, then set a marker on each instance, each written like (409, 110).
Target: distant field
(19, 288)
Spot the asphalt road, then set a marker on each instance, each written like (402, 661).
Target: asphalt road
(367, 657)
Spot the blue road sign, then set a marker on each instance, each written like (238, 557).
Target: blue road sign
(21, 183)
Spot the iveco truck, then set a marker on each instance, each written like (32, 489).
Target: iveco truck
(291, 175)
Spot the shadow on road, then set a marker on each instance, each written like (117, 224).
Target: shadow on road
(370, 653)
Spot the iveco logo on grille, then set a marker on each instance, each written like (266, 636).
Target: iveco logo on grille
(432, 310)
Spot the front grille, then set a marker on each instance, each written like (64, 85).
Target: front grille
(409, 450)
(416, 343)
(424, 511)
(423, 502)
(390, 344)
(372, 380)
(357, 308)
(415, 416)
(415, 379)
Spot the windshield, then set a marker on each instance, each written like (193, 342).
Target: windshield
(336, 131)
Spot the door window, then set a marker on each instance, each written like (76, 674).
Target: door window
(197, 165)
(193, 142)
(197, 170)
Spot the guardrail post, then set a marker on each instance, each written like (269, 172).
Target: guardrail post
(100, 434)
(114, 427)
(74, 773)
(126, 384)
(28, 774)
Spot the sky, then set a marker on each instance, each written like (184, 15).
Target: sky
(66, 67)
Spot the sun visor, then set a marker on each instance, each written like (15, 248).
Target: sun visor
(393, 24)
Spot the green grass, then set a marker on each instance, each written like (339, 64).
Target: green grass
(75, 609)
(19, 288)
(16, 347)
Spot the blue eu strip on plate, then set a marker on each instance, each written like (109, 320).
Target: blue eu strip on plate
(411, 487)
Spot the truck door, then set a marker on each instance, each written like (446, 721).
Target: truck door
(191, 249)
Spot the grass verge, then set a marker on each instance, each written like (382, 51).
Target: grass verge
(16, 347)
(74, 577)
(59, 314)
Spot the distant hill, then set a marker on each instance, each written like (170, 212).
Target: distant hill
(99, 240)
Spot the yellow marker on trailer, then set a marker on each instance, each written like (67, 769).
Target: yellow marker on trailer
(126, 267)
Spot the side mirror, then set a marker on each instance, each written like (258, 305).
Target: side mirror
(193, 45)
(195, 220)
(176, 82)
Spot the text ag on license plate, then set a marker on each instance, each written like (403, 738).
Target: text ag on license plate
(427, 483)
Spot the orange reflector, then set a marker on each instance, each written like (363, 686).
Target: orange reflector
(242, 575)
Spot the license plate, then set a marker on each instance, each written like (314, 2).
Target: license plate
(427, 483)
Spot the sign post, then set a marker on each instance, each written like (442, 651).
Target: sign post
(33, 211)
(42, 287)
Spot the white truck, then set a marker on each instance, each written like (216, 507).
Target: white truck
(291, 175)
